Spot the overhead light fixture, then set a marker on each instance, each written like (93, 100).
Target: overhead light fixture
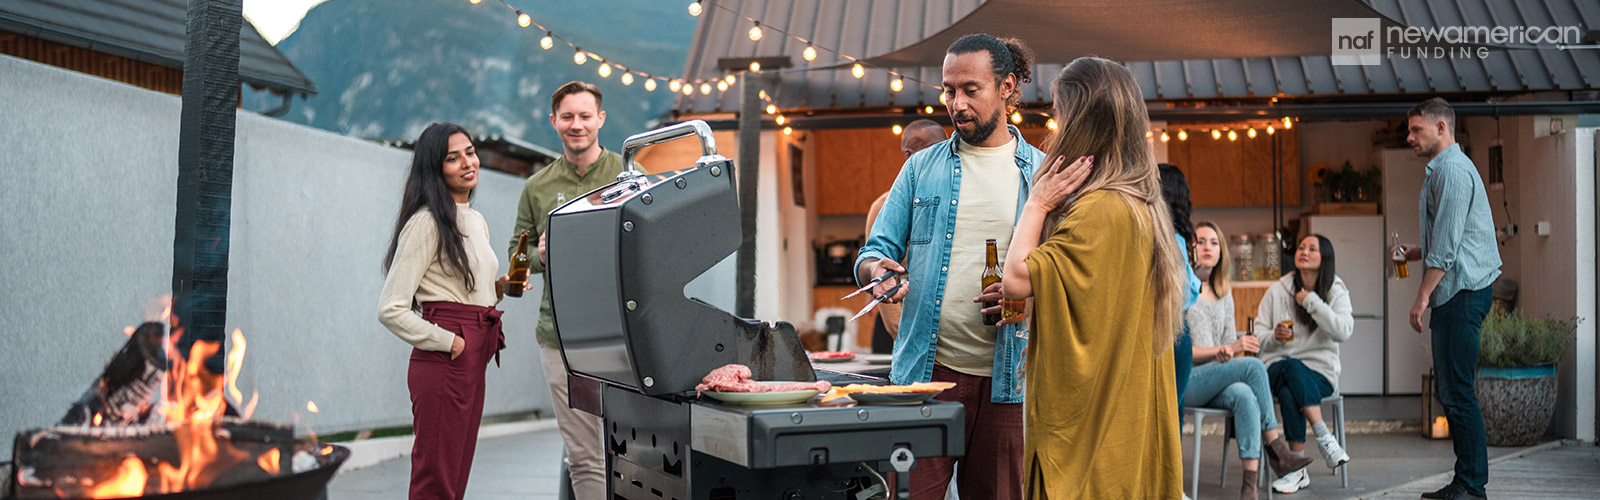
(781, 120)
(1183, 135)
(579, 57)
(694, 8)
(788, 131)
(523, 19)
(1270, 130)
(810, 53)
(1233, 136)
(1287, 124)
(897, 129)
(674, 85)
(755, 32)
(858, 71)
(627, 78)
(755, 66)
(928, 109)
(1216, 134)
(722, 86)
(772, 109)
(1250, 133)
(1050, 124)
(605, 70)
(1165, 137)
(705, 88)
(1016, 117)
(649, 85)
(897, 84)
(548, 41)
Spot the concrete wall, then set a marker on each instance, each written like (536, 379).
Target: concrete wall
(90, 175)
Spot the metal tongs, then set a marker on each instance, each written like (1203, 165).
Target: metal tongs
(877, 299)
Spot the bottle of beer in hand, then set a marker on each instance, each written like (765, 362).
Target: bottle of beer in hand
(519, 267)
(991, 275)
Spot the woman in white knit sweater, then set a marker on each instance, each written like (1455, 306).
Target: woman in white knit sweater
(1225, 376)
(1302, 320)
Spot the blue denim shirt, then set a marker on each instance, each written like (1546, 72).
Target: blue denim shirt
(1457, 227)
(920, 216)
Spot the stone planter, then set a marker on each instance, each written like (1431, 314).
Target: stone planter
(1517, 403)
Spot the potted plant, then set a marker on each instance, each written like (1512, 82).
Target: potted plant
(1516, 386)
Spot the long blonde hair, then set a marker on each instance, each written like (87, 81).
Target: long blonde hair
(1101, 112)
(1221, 279)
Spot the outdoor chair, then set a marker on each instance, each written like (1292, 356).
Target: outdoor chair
(1198, 416)
(1336, 403)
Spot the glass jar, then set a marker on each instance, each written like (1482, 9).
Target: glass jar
(1243, 255)
(1268, 257)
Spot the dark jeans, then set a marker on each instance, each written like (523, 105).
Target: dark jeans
(1296, 388)
(1454, 325)
(992, 468)
(1183, 359)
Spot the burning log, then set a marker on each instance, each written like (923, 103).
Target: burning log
(77, 462)
(129, 388)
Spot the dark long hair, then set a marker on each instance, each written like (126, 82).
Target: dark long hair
(425, 189)
(1324, 283)
(1176, 190)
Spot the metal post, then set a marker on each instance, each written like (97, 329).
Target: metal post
(749, 167)
(205, 172)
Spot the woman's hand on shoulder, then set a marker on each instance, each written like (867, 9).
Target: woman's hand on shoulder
(1057, 183)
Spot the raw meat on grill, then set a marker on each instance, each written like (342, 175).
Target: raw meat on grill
(736, 378)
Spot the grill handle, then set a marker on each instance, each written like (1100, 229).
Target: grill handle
(708, 144)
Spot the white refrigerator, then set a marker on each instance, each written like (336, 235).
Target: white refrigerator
(1360, 257)
(1408, 351)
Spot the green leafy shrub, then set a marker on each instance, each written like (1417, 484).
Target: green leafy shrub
(1511, 340)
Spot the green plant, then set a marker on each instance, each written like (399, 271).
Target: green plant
(1511, 340)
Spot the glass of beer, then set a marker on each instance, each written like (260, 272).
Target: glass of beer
(1290, 325)
(1012, 308)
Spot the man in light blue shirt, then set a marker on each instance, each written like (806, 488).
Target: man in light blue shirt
(1463, 260)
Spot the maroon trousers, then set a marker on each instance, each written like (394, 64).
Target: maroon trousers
(992, 467)
(447, 399)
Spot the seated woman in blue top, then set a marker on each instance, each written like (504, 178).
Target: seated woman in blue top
(1225, 376)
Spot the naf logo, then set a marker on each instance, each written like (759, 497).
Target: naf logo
(1357, 41)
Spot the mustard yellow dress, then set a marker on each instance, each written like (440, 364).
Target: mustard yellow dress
(1101, 407)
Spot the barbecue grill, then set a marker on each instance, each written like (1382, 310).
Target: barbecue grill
(635, 346)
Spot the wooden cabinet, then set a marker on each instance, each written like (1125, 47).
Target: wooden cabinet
(854, 167)
(1247, 297)
(828, 296)
(1224, 173)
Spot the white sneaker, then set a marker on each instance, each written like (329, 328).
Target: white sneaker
(1292, 482)
(1332, 453)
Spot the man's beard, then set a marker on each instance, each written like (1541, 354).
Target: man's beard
(981, 130)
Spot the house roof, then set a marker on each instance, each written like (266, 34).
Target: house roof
(145, 30)
(850, 27)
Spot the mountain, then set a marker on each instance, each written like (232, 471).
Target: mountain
(385, 69)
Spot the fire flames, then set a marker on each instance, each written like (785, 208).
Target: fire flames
(194, 408)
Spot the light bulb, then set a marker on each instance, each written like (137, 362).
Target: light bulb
(810, 54)
(1250, 133)
(674, 85)
(772, 109)
(897, 129)
(1270, 130)
(1233, 136)
(548, 41)
(523, 19)
(730, 79)
(579, 57)
(605, 70)
(1050, 124)
(1287, 124)
(705, 89)
(755, 32)
(858, 71)
(688, 90)
(941, 100)
(1165, 137)
(722, 86)
(928, 109)
(781, 120)
(1183, 135)
(649, 85)
(627, 78)
(755, 66)
(694, 8)
(897, 84)
(1148, 133)
(788, 130)
(1016, 117)
(1216, 134)
(474, 2)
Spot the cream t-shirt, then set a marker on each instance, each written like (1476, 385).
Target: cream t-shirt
(985, 209)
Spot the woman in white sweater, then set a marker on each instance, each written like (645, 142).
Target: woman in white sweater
(1224, 375)
(440, 261)
(1302, 320)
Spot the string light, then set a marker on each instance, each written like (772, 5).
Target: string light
(1148, 134)
(1250, 133)
(1216, 134)
(523, 18)
(548, 41)
(722, 86)
(788, 130)
(1287, 124)
(941, 100)
(755, 66)
(579, 57)
(897, 84)
(705, 88)
(1183, 135)
(858, 71)
(674, 85)
(755, 32)
(649, 85)
(929, 109)
(474, 2)
(627, 78)
(1270, 130)
(781, 120)
(810, 53)
(897, 130)
(688, 90)
(1165, 137)
(1050, 124)
(1233, 136)
(772, 109)
(605, 70)
(1016, 117)
(694, 8)
(730, 79)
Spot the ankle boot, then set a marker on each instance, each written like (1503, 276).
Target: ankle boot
(1283, 460)
(1247, 491)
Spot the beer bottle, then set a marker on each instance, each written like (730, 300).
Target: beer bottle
(991, 275)
(519, 267)
(1399, 258)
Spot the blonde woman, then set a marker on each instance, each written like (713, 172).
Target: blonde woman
(1221, 377)
(1107, 279)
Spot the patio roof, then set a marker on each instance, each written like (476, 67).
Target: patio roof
(848, 27)
(146, 30)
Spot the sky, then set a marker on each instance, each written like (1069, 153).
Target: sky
(276, 19)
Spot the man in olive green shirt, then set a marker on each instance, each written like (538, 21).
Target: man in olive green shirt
(583, 167)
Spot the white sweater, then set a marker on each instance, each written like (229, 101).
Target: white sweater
(1319, 349)
(418, 273)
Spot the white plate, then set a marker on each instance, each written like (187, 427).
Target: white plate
(765, 398)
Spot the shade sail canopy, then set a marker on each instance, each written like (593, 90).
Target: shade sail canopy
(1145, 30)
